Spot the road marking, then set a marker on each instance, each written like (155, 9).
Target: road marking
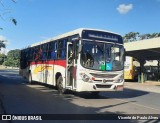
(135, 103)
(146, 106)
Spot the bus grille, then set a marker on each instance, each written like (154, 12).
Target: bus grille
(103, 86)
(104, 81)
(103, 75)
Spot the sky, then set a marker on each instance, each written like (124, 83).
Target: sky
(38, 20)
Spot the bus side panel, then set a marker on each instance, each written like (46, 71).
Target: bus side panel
(42, 72)
(48, 73)
(45, 72)
(37, 72)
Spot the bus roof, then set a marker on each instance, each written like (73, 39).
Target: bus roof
(77, 31)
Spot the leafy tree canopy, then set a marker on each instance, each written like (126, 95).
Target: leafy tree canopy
(2, 44)
(2, 58)
(134, 36)
(12, 58)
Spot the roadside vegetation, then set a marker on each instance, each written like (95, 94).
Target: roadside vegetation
(135, 36)
(11, 59)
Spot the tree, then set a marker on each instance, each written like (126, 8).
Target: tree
(134, 36)
(144, 36)
(2, 44)
(2, 58)
(154, 35)
(12, 58)
(131, 36)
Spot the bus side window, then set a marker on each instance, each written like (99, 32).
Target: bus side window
(51, 50)
(64, 48)
(61, 52)
(22, 59)
(26, 54)
(30, 54)
(44, 48)
(37, 53)
(53, 54)
(60, 44)
(54, 50)
(30, 57)
(33, 53)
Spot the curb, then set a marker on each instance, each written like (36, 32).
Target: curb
(148, 86)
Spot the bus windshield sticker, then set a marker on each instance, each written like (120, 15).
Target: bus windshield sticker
(102, 67)
(108, 66)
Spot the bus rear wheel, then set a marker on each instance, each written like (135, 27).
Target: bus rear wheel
(30, 78)
(60, 88)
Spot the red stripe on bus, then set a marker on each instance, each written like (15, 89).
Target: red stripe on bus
(52, 62)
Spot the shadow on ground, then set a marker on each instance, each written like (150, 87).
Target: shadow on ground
(18, 97)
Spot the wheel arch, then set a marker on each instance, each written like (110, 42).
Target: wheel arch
(58, 74)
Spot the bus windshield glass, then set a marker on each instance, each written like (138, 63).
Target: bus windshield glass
(102, 56)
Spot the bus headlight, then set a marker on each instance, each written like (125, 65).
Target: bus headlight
(85, 77)
(120, 79)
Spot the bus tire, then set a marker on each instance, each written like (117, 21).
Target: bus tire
(60, 88)
(30, 78)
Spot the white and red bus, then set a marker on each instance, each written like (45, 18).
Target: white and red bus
(81, 60)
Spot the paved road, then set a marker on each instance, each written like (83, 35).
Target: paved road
(18, 97)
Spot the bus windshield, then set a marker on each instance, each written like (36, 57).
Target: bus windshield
(102, 56)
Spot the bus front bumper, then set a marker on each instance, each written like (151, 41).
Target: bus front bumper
(86, 86)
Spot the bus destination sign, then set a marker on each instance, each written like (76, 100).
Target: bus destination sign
(104, 36)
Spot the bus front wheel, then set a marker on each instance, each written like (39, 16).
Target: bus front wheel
(60, 88)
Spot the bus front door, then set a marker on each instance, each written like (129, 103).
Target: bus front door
(70, 67)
